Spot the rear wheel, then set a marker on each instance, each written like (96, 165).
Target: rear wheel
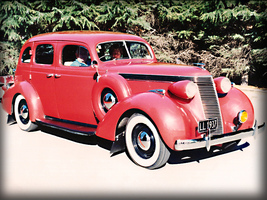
(144, 144)
(22, 114)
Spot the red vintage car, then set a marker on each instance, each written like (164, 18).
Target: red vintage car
(110, 85)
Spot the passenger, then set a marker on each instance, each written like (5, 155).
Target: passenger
(82, 57)
(115, 52)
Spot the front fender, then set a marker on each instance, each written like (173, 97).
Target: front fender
(171, 120)
(231, 104)
(24, 88)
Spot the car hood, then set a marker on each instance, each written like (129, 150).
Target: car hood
(153, 68)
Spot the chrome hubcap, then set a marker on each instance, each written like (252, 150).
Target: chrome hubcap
(143, 140)
(24, 112)
(109, 100)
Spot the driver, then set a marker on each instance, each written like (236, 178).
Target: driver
(115, 52)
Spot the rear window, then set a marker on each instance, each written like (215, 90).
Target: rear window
(44, 54)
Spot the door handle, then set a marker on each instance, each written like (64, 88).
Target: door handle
(57, 75)
(49, 75)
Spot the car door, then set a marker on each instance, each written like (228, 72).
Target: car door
(73, 84)
(42, 76)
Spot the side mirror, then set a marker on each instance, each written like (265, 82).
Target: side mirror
(94, 64)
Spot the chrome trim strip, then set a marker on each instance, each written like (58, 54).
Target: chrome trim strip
(218, 139)
(127, 50)
(91, 133)
(70, 122)
(159, 91)
(169, 78)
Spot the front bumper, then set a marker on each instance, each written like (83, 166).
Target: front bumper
(209, 141)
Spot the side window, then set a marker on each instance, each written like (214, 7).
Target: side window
(44, 54)
(26, 56)
(138, 50)
(111, 50)
(75, 55)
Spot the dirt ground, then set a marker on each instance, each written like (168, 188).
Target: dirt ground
(49, 163)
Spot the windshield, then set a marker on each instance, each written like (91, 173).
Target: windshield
(122, 50)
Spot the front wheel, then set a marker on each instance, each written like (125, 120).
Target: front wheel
(144, 144)
(22, 114)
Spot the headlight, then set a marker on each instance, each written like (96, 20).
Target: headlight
(223, 85)
(184, 89)
(242, 116)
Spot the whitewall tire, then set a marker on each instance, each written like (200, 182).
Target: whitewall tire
(22, 115)
(144, 144)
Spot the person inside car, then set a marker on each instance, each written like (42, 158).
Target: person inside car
(115, 52)
(82, 57)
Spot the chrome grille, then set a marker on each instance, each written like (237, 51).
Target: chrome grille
(209, 100)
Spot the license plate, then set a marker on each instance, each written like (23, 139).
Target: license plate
(209, 124)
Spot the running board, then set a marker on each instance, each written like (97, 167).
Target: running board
(68, 126)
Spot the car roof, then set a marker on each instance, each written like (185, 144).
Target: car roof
(85, 36)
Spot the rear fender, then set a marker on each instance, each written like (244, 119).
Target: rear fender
(24, 88)
(171, 120)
